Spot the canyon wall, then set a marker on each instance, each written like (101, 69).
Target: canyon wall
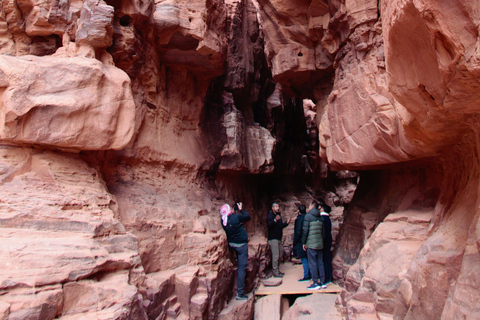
(404, 104)
(125, 125)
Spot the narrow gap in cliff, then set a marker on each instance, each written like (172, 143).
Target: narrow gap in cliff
(125, 21)
(293, 297)
(45, 46)
(379, 13)
(114, 3)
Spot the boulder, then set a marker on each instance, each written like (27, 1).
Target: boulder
(238, 309)
(269, 307)
(69, 103)
(272, 282)
(109, 295)
(384, 262)
(314, 306)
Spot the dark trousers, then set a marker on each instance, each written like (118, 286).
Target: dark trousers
(242, 257)
(327, 263)
(315, 264)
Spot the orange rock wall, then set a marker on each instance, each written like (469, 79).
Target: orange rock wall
(124, 125)
(408, 94)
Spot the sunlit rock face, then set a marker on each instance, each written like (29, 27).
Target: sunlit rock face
(361, 125)
(75, 103)
(298, 45)
(438, 88)
(403, 78)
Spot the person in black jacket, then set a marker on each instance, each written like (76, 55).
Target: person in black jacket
(237, 239)
(298, 244)
(275, 227)
(327, 245)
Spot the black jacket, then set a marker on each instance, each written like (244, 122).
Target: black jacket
(297, 237)
(328, 230)
(275, 229)
(234, 229)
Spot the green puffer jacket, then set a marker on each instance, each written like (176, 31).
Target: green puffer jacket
(313, 230)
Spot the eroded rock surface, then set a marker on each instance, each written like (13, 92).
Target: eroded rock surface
(314, 306)
(409, 72)
(59, 227)
(126, 124)
(71, 103)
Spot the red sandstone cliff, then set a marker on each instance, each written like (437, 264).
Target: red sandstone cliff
(124, 125)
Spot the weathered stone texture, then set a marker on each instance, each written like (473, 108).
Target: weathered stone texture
(294, 47)
(404, 89)
(126, 124)
(58, 227)
(71, 103)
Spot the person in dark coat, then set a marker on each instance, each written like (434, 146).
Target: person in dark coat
(275, 227)
(327, 246)
(312, 237)
(298, 244)
(237, 239)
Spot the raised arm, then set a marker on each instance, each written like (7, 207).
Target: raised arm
(244, 216)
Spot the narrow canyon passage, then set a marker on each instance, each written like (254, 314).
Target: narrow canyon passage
(126, 125)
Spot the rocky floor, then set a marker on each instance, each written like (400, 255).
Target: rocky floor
(289, 284)
(318, 306)
(289, 300)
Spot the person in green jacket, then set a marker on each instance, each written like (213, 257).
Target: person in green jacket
(313, 239)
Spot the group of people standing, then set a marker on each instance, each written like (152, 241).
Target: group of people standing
(312, 241)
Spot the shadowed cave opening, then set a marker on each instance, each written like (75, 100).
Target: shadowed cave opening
(115, 209)
(125, 21)
(299, 174)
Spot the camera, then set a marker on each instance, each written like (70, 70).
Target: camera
(235, 206)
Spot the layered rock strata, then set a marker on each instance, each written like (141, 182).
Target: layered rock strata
(102, 105)
(124, 125)
(405, 94)
(62, 244)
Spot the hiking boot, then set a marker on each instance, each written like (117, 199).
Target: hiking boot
(304, 279)
(277, 274)
(313, 286)
(242, 297)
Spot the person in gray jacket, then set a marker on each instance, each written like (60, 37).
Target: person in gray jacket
(313, 239)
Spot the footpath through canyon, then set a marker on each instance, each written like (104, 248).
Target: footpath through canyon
(126, 124)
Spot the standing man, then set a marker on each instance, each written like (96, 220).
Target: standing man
(275, 234)
(237, 239)
(298, 245)
(327, 245)
(312, 238)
